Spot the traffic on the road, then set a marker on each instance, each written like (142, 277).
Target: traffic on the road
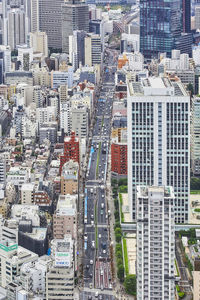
(96, 261)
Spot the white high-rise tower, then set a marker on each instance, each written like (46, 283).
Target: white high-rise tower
(159, 140)
(155, 243)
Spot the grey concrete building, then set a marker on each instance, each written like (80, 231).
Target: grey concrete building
(75, 16)
(50, 21)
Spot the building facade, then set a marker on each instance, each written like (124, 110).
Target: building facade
(75, 16)
(160, 24)
(155, 243)
(71, 150)
(159, 140)
(195, 136)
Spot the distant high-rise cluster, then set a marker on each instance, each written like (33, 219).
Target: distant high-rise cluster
(164, 26)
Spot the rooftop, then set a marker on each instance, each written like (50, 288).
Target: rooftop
(156, 86)
(143, 191)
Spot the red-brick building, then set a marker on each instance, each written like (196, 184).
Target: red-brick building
(71, 150)
(119, 158)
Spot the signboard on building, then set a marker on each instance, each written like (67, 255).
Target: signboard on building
(62, 254)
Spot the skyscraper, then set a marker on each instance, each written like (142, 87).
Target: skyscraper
(75, 16)
(186, 9)
(160, 24)
(155, 243)
(50, 21)
(159, 140)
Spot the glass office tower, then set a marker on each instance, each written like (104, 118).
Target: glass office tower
(160, 24)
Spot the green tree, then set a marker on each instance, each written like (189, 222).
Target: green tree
(117, 225)
(113, 182)
(118, 231)
(118, 254)
(120, 273)
(119, 261)
(122, 181)
(116, 215)
(118, 237)
(130, 284)
(195, 183)
(118, 247)
(116, 204)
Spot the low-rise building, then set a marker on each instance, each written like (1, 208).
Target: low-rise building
(27, 193)
(12, 257)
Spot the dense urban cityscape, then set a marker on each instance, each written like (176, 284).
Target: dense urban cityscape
(100, 149)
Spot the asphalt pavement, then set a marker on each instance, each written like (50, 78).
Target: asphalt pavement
(96, 258)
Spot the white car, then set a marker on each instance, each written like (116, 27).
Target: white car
(99, 235)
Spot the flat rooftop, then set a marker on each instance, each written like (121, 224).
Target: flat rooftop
(157, 86)
(143, 191)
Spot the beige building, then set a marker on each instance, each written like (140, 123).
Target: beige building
(27, 193)
(41, 77)
(65, 217)
(69, 179)
(63, 92)
(196, 280)
(12, 257)
(38, 41)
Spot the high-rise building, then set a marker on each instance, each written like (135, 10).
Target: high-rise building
(77, 48)
(159, 140)
(93, 50)
(195, 136)
(5, 61)
(15, 27)
(155, 243)
(75, 16)
(186, 17)
(197, 17)
(34, 15)
(50, 21)
(161, 27)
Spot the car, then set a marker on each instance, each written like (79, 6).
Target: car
(100, 296)
(90, 275)
(102, 204)
(92, 216)
(104, 251)
(93, 244)
(99, 235)
(96, 294)
(91, 262)
(87, 266)
(85, 237)
(103, 245)
(92, 223)
(89, 297)
(101, 212)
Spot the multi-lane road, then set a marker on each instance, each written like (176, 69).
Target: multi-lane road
(96, 257)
